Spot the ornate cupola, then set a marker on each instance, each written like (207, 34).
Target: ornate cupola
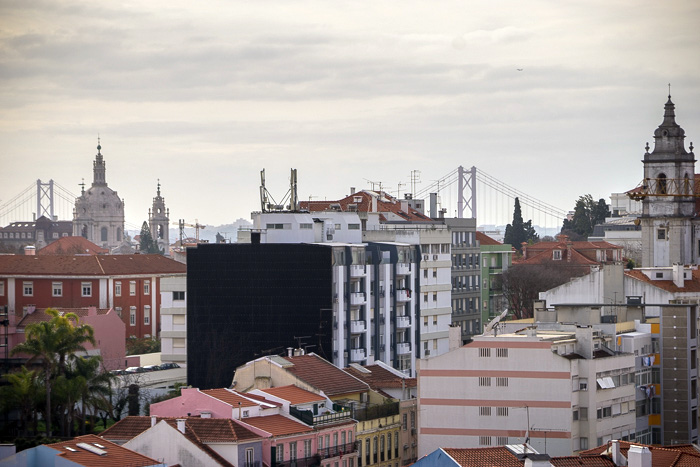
(99, 168)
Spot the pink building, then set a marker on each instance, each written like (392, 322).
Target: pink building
(108, 327)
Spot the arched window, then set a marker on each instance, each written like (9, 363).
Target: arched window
(119, 234)
(83, 231)
(103, 234)
(661, 184)
(686, 185)
(160, 231)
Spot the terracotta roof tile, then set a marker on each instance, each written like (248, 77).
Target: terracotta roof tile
(102, 265)
(484, 457)
(231, 397)
(205, 429)
(116, 455)
(575, 461)
(294, 394)
(689, 285)
(661, 456)
(72, 246)
(277, 425)
(379, 377)
(486, 240)
(385, 203)
(325, 376)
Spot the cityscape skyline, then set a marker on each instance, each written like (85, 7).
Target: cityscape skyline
(556, 101)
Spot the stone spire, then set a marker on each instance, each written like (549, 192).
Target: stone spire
(98, 168)
(669, 136)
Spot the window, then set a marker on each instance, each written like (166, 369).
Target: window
(425, 297)
(103, 234)
(342, 438)
(353, 226)
(305, 226)
(583, 413)
(118, 289)
(501, 440)
(2, 288)
(320, 442)
(382, 449)
(413, 419)
(556, 255)
(335, 439)
(147, 287)
(425, 320)
(388, 445)
(179, 295)
(484, 381)
(132, 288)
(502, 353)
(86, 289)
(246, 414)
(435, 296)
(502, 411)
(661, 234)
(307, 448)
(434, 272)
(280, 452)
(484, 440)
(249, 456)
(425, 273)
(132, 316)
(28, 289)
(367, 451)
(179, 319)
(484, 352)
(179, 342)
(502, 382)
(119, 311)
(292, 451)
(434, 320)
(583, 443)
(147, 315)
(57, 289)
(575, 415)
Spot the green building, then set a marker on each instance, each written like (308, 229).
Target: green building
(495, 258)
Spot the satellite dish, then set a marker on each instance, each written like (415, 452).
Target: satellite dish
(493, 324)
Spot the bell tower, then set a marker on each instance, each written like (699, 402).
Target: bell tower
(158, 221)
(668, 196)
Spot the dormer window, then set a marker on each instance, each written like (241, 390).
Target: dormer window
(556, 255)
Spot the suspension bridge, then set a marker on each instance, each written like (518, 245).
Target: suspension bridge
(460, 193)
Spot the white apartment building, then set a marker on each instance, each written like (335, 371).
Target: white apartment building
(564, 391)
(173, 320)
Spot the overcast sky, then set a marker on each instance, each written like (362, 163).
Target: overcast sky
(203, 95)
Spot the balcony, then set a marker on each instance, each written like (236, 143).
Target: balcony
(403, 348)
(357, 355)
(403, 269)
(302, 462)
(403, 321)
(357, 327)
(306, 416)
(403, 295)
(336, 451)
(358, 270)
(357, 298)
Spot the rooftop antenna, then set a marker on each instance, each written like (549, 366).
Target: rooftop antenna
(415, 179)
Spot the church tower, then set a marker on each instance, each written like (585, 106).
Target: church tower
(158, 221)
(99, 212)
(668, 201)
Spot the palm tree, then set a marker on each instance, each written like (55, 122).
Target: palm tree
(22, 393)
(97, 387)
(53, 342)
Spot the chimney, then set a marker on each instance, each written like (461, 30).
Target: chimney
(205, 414)
(181, 425)
(639, 456)
(153, 420)
(404, 205)
(29, 250)
(352, 190)
(433, 206)
(374, 203)
(617, 457)
(290, 352)
(678, 279)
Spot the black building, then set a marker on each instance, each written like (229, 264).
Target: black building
(249, 300)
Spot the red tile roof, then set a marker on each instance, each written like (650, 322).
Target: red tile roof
(381, 378)
(115, 454)
(486, 240)
(662, 456)
(689, 285)
(484, 457)
(576, 461)
(278, 425)
(545, 257)
(102, 265)
(39, 315)
(363, 203)
(324, 376)
(72, 246)
(294, 394)
(231, 397)
(206, 429)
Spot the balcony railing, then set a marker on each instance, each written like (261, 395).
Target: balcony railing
(357, 355)
(403, 321)
(403, 348)
(357, 327)
(335, 451)
(358, 270)
(309, 418)
(312, 461)
(357, 298)
(403, 269)
(403, 295)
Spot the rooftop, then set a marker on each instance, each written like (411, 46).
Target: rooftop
(102, 265)
(39, 315)
(378, 377)
(323, 375)
(233, 398)
(294, 394)
(277, 425)
(207, 430)
(113, 453)
(361, 201)
(72, 246)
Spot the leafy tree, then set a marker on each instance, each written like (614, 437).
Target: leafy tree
(587, 214)
(142, 345)
(23, 393)
(53, 342)
(519, 232)
(147, 244)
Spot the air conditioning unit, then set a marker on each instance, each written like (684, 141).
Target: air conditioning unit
(425, 257)
(435, 257)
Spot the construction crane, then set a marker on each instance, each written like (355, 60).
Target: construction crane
(182, 224)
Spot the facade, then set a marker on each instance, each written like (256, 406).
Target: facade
(496, 258)
(173, 320)
(159, 223)
(38, 233)
(129, 284)
(99, 212)
(541, 386)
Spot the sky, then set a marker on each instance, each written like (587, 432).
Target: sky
(556, 99)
